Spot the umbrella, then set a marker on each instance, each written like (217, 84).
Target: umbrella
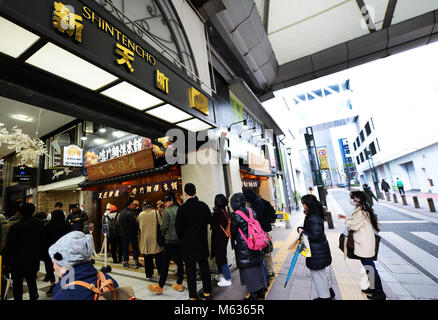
(295, 258)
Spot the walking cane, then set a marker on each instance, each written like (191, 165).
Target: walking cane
(105, 231)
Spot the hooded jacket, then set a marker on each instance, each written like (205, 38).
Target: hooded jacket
(258, 205)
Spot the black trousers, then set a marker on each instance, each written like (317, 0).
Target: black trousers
(172, 251)
(48, 266)
(116, 249)
(191, 276)
(17, 286)
(149, 263)
(401, 189)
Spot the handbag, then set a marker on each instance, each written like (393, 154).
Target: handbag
(160, 237)
(227, 231)
(346, 243)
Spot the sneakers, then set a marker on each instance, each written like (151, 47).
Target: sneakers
(155, 288)
(219, 277)
(125, 265)
(177, 287)
(369, 291)
(224, 283)
(332, 293)
(377, 296)
(137, 265)
(205, 296)
(272, 276)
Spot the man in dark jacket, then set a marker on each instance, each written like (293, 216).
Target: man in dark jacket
(76, 219)
(23, 251)
(265, 218)
(191, 226)
(369, 194)
(129, 231)
(385, 187)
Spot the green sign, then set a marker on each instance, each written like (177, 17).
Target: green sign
(236, 107)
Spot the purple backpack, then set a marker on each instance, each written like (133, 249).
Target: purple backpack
(257, 238)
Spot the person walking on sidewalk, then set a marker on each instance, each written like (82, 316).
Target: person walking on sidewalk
(369, 194)
(192, 222)
(249, 262)
(321, 257)
(172, 246)
(266, 215)
(400, 187)
(219, 239)
(24, 249)
(363, 223)
(76, 218)
(385, 187)
(114, 235)
(148, 220)
(129, 232)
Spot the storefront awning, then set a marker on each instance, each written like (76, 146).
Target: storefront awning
(125, 177)
(256, 173)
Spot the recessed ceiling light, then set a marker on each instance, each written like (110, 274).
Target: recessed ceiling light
(99, 141)
(68, 66)
(1, 124)
(118, 134)
(84, 138)
(132, 96)
(102, 130)
(15, 39)
(194, 125)
(169, 113)
(22, 117)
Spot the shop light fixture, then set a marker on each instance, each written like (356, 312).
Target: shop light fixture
(62, 63)
(99, 141)
(169, 113)
(15, 39)
(1, 124)
(22, 117)
(102, 129)
(132, 96)
(84, 138)
(118, 134)
(244, 124)
(194, 125)
(247, 129)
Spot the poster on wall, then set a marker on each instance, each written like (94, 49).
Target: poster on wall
(72, 156)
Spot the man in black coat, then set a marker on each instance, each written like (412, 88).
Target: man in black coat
(262, 207)
(23, 251)
(385, 187)
(129, 230)
(191, 226)
(76, 219)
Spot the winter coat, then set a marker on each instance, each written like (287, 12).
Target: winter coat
(258, 205)
(363, 233)
(168, 225)
(385, 186)
(148, 228)
(5, 229)
(245, 257)
(77, 225)
(192, 222)
(128, 223)
(370, 195)
(319, 246)
(219, 241)
(82, 272)
(25, 246)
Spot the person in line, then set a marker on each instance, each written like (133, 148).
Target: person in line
(71, 256)
(148, 221)
(363, 223)
(400, 187)
(249, 262)
(23, 251)
(265, 215)
(385, 187)
(192, 222)
(129, 232)
(172, 246)
(114, 236)
(76, 218)
(321, 257)
(160, 207)
(369, 194)
(54, 230)
(219, 240)
(58, 206)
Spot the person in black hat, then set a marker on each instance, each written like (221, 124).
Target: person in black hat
(76, 218)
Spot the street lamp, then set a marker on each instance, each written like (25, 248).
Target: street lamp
(289, 152)
(373, 171)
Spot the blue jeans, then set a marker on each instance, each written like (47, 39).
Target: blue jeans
(126, 240)
(225, 270)
(377, 282)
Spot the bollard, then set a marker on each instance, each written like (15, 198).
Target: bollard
(395, 198)
(329, 220)
(387, 197)
(431, 205)
(382, 196)
(416, 203)
(403, 197)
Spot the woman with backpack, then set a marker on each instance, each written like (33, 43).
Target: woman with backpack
(220, 226)
(320, 250)
(114, 236)
(249, 262)
(363, 224)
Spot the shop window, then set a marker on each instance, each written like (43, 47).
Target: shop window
(368, 129)
(357, 160)
(362, 136)
(354, 145)
(373, 148)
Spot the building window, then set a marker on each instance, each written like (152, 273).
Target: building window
(357, 160)
(362, 136)
(354, 145)
(373, 148)
(361, 157)
(357, 142)
(378, 146)
(368, 129)
(366, 154)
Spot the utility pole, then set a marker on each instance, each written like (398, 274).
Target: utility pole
(373, 172)
(289, 152)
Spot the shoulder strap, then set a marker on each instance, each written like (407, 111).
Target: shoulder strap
(86, 285)
(243, 215)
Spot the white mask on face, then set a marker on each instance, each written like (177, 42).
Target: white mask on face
(352, 202)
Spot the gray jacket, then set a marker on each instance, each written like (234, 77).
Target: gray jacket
(168, 224)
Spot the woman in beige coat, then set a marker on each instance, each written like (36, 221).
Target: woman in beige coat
(149, 247)
(363, 223)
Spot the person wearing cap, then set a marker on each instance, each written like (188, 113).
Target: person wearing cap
(58, 207)
(172, 246)
(192, 223)
(23, 251)
(148, 221)
(129, 231)
(71, 256)
(76, 218)
(114, 238)
(369, 194)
